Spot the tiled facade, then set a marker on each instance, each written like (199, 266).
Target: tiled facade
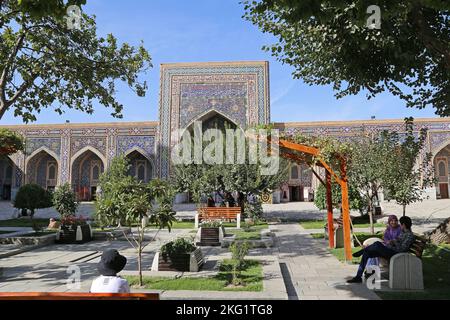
(237, 91)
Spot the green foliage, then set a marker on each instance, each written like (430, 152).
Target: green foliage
(41, 8)
(329, 43)
(46, 64)
(253, 210)
(331, 150)
(355, 199)
(10, 142)
(133, 203)
(177, 247)
(211, 224)
(410, 168)
(32, 197)
(64, 200)
(238, 252)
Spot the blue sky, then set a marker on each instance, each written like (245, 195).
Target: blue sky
(213, 30)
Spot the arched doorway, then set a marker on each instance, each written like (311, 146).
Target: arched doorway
(6, 178)
(86, 170)
(42, 169)
(140, 167)
(441, 165)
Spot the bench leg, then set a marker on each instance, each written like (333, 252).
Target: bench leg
(196, 220)
(238, 220)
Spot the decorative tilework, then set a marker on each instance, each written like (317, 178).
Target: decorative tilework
(145, 143)
(78, 143)
(176, 109)
(53, 144)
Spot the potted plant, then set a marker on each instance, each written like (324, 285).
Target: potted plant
(73, 229)
(178, 255)
(210, 233)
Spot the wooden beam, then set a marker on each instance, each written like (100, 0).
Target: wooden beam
(346, 213)
(330, 211)
(299, 147)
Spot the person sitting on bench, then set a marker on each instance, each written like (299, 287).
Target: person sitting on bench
(402, 244)
(111, 263)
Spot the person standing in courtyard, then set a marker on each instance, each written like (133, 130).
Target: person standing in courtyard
(111, 263)
(402, 244)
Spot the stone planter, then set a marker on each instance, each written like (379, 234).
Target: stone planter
(74, 234)
(187, 262)
(111, 234)
(209, 236)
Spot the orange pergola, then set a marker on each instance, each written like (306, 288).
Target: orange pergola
(290, 150)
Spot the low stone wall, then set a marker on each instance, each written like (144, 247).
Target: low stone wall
(266, 241)
(111, 235)
(29, 241)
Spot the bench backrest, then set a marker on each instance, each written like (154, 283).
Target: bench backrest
(76, 296)
(219, 212)
(418, 246)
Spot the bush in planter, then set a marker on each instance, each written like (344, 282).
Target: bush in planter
(177, 247)
(69, 226)
(32, 197)
(64, 200)
(211, 224)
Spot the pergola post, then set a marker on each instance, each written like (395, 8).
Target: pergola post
(346, 212)
(330, 210)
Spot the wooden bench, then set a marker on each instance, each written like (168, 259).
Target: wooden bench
(218, 213)
(76, 296)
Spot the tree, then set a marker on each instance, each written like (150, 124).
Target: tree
(135, 204)
(32, 197)
(246, 179)
(64, 200)
(45, 63)
(40, 8)
(367, 170)
(113, 182)
(10, 142)
(409, 171)
(335, 43)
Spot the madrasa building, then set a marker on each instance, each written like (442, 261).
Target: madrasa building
(233, 92)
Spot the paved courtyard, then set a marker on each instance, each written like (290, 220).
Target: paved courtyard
(301, 267)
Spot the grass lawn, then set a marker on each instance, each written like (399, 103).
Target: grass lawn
(251, 275)
(24, 222)
(362, 236)
(436, 276)
(319, 224)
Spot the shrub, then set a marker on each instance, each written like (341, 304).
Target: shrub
(238, 253)
(64, 200)
(178, 246)
(211, 224)
(32, 197)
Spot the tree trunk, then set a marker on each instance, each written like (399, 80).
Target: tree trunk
(372, 228)
(404, 210)
(140, 266)
(441, 233)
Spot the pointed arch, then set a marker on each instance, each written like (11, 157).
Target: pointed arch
(34, 173)
(39, 150)
(208, 115)
(85, 149)
(149, 171)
